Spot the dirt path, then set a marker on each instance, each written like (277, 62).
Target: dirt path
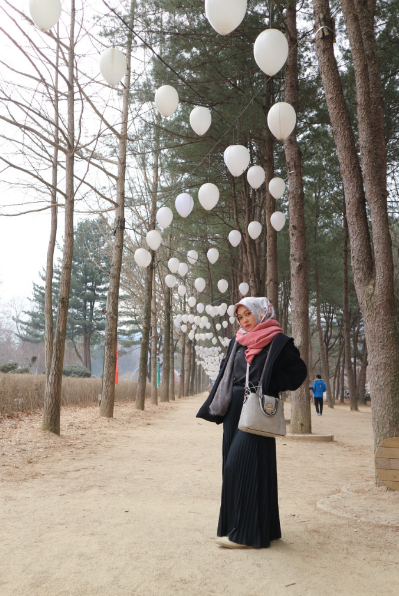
(132, 510)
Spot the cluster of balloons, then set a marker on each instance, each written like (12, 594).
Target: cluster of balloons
(209, 359)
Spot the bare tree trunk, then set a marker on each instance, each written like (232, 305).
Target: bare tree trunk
(111, 332)
(166, 368)
(154, 344)
(188, 369)
(371, 248)
(52, 397)
(193, 370)
(361, 385)
(342, 385)
(145, 340)
(182, 369)
(300, 408)
(347, 330)
(48, 300)
(322, 346)
(172, 390)
(271, 234)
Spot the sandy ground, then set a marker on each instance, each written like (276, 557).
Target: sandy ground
(129, 507)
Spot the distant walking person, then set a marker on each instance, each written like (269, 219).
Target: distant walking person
(318, 388)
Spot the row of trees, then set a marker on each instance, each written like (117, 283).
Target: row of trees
(330, 275)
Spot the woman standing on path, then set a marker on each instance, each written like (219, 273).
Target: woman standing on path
(249, 515)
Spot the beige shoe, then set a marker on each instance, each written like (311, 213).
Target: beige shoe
(226, 542)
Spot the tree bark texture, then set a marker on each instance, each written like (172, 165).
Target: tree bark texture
(154, 341)
(182, 366)
(166, 356)
(48, 300)
(172, 390)
(371, 251)
(271, 234)
(322, 346)
(111, 332)
(300, 408)
(52, 397)
(347, 327)
(145, 340)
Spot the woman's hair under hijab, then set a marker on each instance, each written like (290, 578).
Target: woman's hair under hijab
(261, 308)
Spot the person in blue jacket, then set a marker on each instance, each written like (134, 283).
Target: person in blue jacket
(318, 388)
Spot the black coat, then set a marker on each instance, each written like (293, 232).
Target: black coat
(285, 371)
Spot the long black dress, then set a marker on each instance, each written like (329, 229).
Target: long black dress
(249, 511)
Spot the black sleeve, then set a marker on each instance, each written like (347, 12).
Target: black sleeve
(289, 370)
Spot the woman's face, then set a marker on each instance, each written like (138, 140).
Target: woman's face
(245, 318)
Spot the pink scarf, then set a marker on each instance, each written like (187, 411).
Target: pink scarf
(258, 338)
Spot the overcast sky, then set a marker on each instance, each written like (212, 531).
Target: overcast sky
(24, 239)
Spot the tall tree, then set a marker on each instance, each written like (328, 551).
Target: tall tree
(108, 385)
(365, 189)
(300, 417)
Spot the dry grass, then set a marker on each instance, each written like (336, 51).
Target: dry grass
(26, 392)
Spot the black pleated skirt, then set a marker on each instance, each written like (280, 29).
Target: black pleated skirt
(249, 507)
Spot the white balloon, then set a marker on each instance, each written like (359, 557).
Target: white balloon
(153, 239)
(166, 100)
(232, 320)
(185, 318)
(277, 187)
(208, 325)
(200, 120)
(271, 51)
(192, 301)
(183, 268)
(254, 229)
(223, 286)
(244, 288)
(176, 323)
(237, 160)
(208, 308)
(213, 255)
(170, 281)
(142, 257)
(225, 324)
(197, 320)
(191, 319)
(225, 15)
(208, 196)
(213, 311)
(200, 308)
(222, 309)
(199, 285)
(192, 257)
(181, 290)
(235, 237)
(278, 220)
(113, 66)
(204, 321)
(184, 204)
(214, 341)
(173, 265)
(281, 120)
(164, 217)
(45, 13)
(218, 326)
(179, 318)
(184, 328)
(191, 335)
(226, 151)
(231, 310)
(256, 176)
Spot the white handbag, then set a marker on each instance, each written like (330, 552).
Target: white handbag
(261, 414)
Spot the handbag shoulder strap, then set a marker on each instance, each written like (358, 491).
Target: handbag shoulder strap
(262, 374)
